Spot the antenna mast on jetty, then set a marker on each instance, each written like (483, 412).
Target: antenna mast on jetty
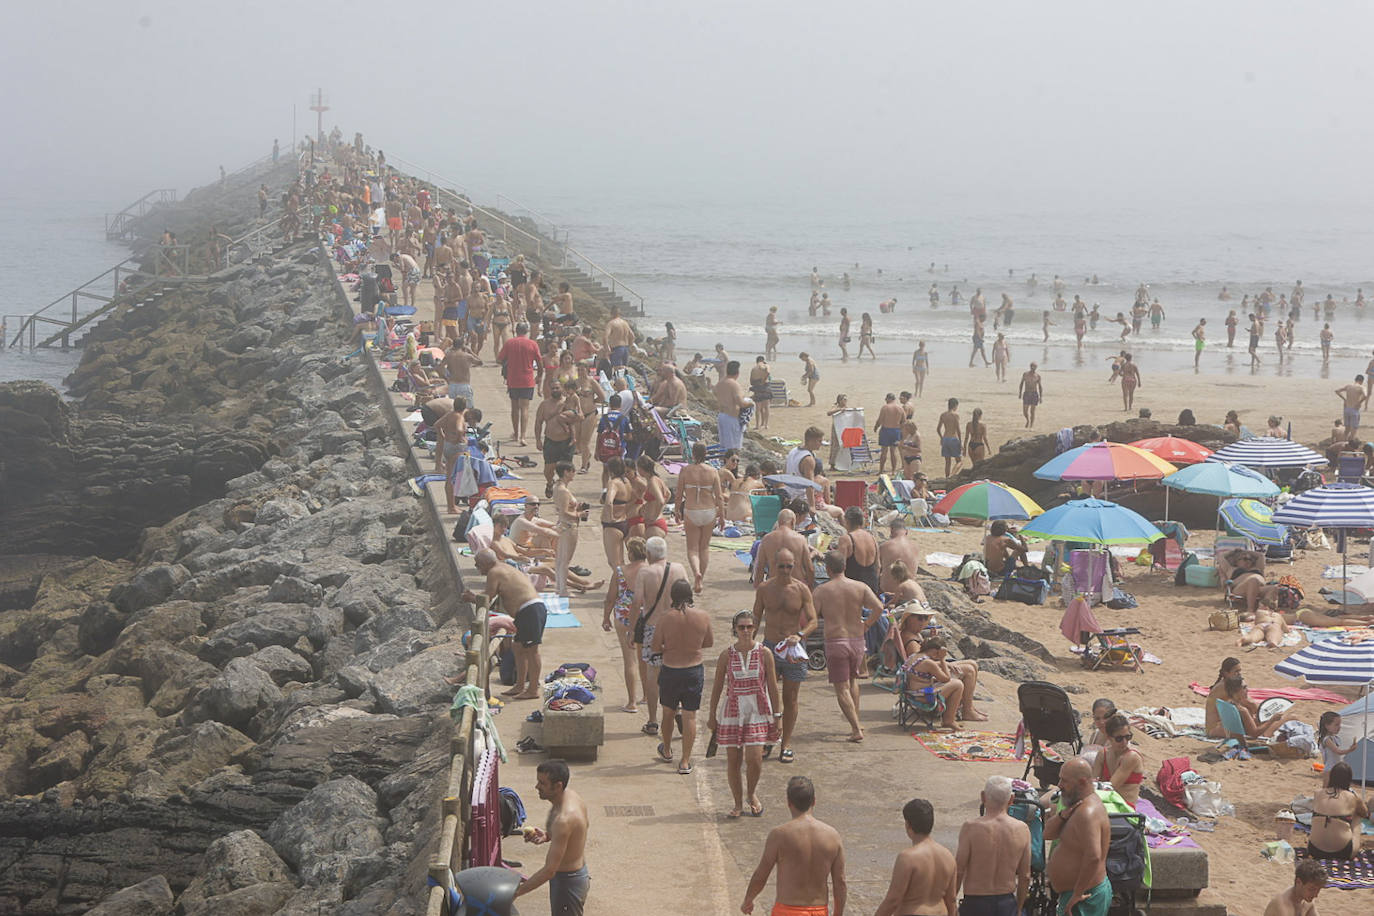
(319, 107)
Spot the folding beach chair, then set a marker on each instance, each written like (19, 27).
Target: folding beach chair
(1049, 718)
(766, 507)
(1350, 467)
(1234, 726)
(777, 388)
(861, 454)
(890, 495)
(922, 704)
(1115, 651)
(1089, 575)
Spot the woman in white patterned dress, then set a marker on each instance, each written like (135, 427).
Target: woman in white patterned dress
(744, 704)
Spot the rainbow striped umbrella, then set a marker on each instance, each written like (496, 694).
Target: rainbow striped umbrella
(985, 500)
(1105, 461)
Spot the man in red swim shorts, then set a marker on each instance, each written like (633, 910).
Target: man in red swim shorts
(840, 603)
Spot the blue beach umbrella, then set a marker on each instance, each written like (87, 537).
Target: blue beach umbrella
(1336, 505)
(1093, 521)
(1268, 452)
(1254, 520)
(1332, 661)
(1215, 478)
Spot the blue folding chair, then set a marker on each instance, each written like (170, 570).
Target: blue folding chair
(1234, 726)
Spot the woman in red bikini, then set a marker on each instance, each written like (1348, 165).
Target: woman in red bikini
(1120, 762)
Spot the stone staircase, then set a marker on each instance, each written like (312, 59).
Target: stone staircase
(585, 283)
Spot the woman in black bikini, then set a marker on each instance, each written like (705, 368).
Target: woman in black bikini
(1335, 812)
(615, 512)
(760, 391)
(976, 437)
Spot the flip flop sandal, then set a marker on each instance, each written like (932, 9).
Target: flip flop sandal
(786, 756)
(580, 570)
(733, 815)
(767, 751)
(650, 728)
(664, 755)
(758, 813)
(685, 771)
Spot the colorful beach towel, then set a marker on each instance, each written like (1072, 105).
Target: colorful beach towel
(1260, 694)
(988, 747)
(560, 612)
(1346, 876)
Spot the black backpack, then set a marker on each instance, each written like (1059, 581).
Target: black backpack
(1126, 854)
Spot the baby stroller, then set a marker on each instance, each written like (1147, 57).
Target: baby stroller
(1127, 853)
(1049, 718)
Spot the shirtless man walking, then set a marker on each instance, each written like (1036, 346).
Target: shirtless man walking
(840, 603)
(519, 599)
(784, 606)
(784, 537)
(924, 877)
(618, 337)
(680, 635)
(951, 436)
(1031, 391)
(457, 369)
(809, 856)
(731, 401)
(1078, 866)
(655, 578)
(555, 422)
(889, 430)
(994, 856)
(844, 335)
(1353, 396)
(565, 832)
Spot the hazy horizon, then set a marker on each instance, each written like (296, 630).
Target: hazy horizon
(1256, 107)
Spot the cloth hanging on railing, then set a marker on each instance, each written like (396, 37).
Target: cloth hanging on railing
(472, 695)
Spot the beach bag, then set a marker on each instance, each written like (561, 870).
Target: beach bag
(609, 443)
(506, 663)
(1223, 620)
(1026, 590)
(1290, 593)
(1170, 780)
(1204, 798)
(978, 585)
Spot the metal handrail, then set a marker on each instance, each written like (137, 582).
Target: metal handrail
(617, 285)
(535, 216)
(114, 222)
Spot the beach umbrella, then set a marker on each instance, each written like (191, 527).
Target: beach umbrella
(1173, 449)
(1268, 452)
(1093, 521)
(1336, 505)
(1357, 718)
(792, 480)
(1340, 660)
(985, 500)
(1215, 478)
(1254, 520)
(1105, 461)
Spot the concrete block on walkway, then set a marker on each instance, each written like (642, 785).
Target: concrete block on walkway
(1178, 871)
(574, 734)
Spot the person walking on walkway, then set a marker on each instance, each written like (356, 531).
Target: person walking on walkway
(809, 856)
(565, 867)
(747, 719)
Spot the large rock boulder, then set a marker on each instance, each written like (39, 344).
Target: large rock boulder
(147, 898)
(236, 696)
(333, 836)
(241, 873)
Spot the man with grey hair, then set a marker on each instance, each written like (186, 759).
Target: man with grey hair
(784, 536)
(518, 598)
(999, 844)
(653, 589)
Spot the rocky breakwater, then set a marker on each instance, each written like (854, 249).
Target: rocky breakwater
(235, 703)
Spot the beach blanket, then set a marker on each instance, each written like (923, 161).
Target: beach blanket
(1292, 638)
(560, 612)
(731, 544)
(1260, 694)
(1170, 723)
(989, 747)
(940, 558)
(1346, 876)
(1170, 839)
(1351, 571)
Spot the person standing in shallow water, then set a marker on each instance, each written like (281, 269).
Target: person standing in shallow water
(1200, 341)
(844, 334)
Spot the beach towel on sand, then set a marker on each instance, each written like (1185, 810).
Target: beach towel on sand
(1260, 694)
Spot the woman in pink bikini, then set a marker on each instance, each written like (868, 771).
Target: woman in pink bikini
(1120, 762)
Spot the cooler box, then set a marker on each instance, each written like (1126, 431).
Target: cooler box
(1202, 576)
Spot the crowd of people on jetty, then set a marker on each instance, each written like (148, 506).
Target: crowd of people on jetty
(582, 395)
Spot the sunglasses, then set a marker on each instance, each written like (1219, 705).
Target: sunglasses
(786, 565)
(1126, 737)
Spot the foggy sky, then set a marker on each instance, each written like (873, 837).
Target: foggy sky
(986, 104)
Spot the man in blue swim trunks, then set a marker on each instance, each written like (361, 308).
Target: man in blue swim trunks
(889, 429)
(619, 336)
(1078, 865)
(951, 443)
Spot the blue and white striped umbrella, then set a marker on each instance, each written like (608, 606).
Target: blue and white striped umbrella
(1331, 661)
(1268, 452)
(1336, 505)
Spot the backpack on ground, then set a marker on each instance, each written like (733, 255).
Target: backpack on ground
(1170, 780)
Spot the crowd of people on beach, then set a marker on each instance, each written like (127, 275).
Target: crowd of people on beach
(593, 401)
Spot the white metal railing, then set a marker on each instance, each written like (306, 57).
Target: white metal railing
(594, 269)
(117, 224)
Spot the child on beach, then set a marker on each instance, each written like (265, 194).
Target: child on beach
(1332, 753)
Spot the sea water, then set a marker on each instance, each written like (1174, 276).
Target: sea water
(714, 265)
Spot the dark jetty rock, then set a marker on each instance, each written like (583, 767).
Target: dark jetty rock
(222, 662)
